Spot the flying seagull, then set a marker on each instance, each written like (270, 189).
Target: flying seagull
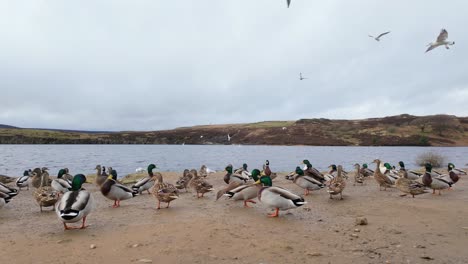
(379, 36)
(300, 76)
(441, 40)
(288, 2)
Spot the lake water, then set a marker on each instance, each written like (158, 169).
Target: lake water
(14, 159)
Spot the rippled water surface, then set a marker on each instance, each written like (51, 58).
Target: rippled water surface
(126, 158)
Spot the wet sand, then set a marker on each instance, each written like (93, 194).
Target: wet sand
(426, 229)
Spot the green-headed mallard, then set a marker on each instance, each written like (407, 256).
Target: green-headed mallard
(232, 177)
(408, 186)
(358, 176)
(313, 172)
(244, 171)
(23, 181)
(337, 184)
(279, 198)
(163, 192)
(184, 180)
(75, 205)
(147, 182)
(115, 191)
(380, 178)
(45, 196)
(199, 184)
(61, 185)
(100, 177)
(246, 193)
(412, 175)
(433, 182)
(305, 182)
(366, 171)
(451, 167)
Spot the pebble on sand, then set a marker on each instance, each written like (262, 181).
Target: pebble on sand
(361, 221)
(92, 246)
(145, 260)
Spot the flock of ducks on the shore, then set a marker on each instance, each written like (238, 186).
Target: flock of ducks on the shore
(73, 203)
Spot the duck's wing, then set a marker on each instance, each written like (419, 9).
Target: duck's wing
(141, 182)
(123, 187)
(284, 193)
(442, 36)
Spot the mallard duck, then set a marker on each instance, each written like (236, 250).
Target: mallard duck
(451, 167)
(366, 171)
(381, 179)
(61, 185)
(231, 177)
(451, 177)
(9, 192)
(358, 176)
(100, 178)
(245, 192)
(45, 196)
(244, 172)
(408, 186)
(412, 175)
(305, 182)
(75, 205)
(314, 173)
(40, 177)
(279, 198)
(22, 181)
(163, 192)
(184, 180)
(147, 182)
(200, 185)
(266, 171)
(433, 182)
(115, 191)
(67, 176)
(337, 184)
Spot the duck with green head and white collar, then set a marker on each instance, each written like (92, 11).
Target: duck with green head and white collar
(313, 172)
(279, 198)
(249, 192)
(61, 185)
(115, 191)
(233, 177)
(366, 171)
(305, 182)
(147, 182)
(433, 182)
(411, 175)
(75, 205)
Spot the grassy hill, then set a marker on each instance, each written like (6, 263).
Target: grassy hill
(401, 130)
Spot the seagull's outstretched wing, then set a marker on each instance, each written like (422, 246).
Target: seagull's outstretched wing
(370, 36)
(431, 47)
(288, 2)
(442, 36)
(383, 34)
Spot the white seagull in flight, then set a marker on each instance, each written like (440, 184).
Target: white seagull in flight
(379, 36)
(441, 40)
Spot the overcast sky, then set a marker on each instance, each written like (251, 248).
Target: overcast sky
(150, 65)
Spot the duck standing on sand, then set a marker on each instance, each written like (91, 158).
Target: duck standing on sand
(60, 185)
(381, 179)
(184, 180)
(22, 181)
(408, 186)
(163, 192)
(232, 177)
(116, 191)
(337, 184)
(199, 184)
(147, 182)
(358, 176)
(366, 171)
(313, 172)
(75, 205)
(412, 175)
(305, 182)
(433, 182)
(45, 196)
(279, 198)
(248, 192)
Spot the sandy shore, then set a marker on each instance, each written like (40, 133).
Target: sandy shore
(426, 229)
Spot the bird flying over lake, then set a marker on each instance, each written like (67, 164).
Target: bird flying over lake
(441, 40)
(288, 2)
(379, 36)
(300, 76)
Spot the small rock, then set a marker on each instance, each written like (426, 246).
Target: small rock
(398, 246)
(420, 246)
(145, 260)
(315, 254)
(92, 246)
(396, 232)
(337, 231)
(357, 230)
(320, 220)
(288, 248)
(135, 245)
(427, 258)
(354, 235)
(361, 221)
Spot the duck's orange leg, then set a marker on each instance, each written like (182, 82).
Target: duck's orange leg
(275, 214)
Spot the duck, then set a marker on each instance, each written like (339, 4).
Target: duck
(411, 175)
(23, 181)
(8, 192)
(433, 182)
(380, 178)
(199, 184)
(279, 198)
(40, 177)
(60, 185)
(314, 173)
(337, 184)
(4, 199)
(441, 41)
(390, 172)
(231, 177)
(408, 186)
(67, 176)
(246, 192)
(366, 171)
(267, 171)
(163, 192)
(358, 176)
(305, 182)
(244, 171)
(451, 167)
(184, 180)
(75, 205)
(115, 191)
(147, 182)
(451, 177)
(45, 196)
(100, 177)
